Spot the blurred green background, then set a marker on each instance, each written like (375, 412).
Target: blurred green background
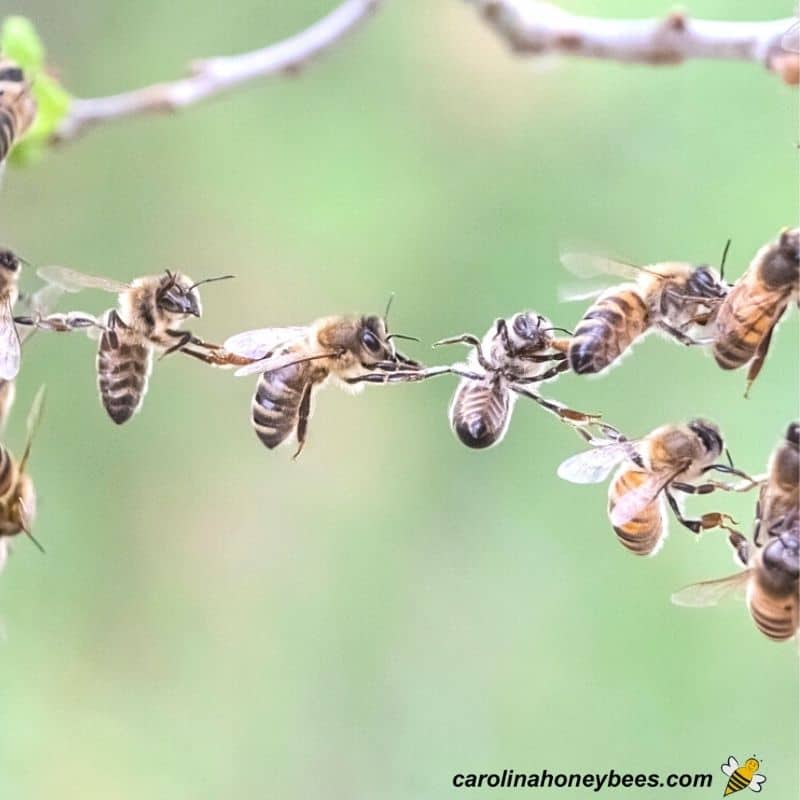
(212, 619)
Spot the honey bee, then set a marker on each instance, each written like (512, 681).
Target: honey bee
(780, 493)
(17, 494)
(514, 354)
(295, 361)
(146, 320)
(669, 459)
(770, 576)
(752, 309)
(17, 106)
(741, 777)
(675, 298)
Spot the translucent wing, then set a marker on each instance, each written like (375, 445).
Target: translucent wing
(593, 466)
(731, 766)
(791, 39)
(44, 300)
(588, 265)
(756, 782)
(262, 342)
(632, 503)
(71, 280)
(279, 360)
(575, 294)
(9, 343)
(709, 593)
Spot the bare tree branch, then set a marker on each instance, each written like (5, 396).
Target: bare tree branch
(531, 27)
(216, 75)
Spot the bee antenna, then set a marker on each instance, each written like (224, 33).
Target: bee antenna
(724, 258)
(729, 457)
(210, 280)
(402, 336)
(563, 330)
(388, 306)
(35, 541)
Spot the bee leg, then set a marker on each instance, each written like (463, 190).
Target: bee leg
(302, 419)
(707, 521)
(749, 481)
(472, 341)
(759, 358)
(564, 413)
(182, 340)
(562, 366)
(403, 376)
(680, 335)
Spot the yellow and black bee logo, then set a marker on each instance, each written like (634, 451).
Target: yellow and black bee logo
(741, 777)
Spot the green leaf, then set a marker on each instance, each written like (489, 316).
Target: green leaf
(20, 42)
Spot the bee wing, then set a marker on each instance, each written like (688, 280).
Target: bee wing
(634, 502)
(275, 361)
(755, 783)
(71, 280)
(576, 294)
(593, 466)
(709, 593)
(791, 39)
(9, 343)
(731, 766)
(588, 265)
(262, 342)
(40, 303)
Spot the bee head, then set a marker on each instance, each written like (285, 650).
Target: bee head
(376, 343)
(9, 261)
(781, 266)
(706, 282)
(529, 330)
(177, 294)
(782, 553)
(709, 435)
(793, 434)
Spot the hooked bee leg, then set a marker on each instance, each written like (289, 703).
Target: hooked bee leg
(566, 414)
(471, 340)
(707, 521)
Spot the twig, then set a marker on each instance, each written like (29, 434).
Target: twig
(531, 27)
(216, 75)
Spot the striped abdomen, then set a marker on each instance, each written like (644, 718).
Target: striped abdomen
(745, 317)
(9, 477)
(642, 534)
(276, 403)
(776, 616)
(480, 412)
(17, 106)
(737, 782)
(123, 367)
(607, 330)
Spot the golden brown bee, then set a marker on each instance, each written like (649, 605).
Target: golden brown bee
(780, 494)
(749, 314)
(770, 576)
(293, 362)
(17, 494)
(669, 459)
(675, 298)
(146, 320)
(17, 106)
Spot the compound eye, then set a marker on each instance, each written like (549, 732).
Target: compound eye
(371, 342)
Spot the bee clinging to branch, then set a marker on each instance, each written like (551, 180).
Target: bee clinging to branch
(749, 314)
(147, 319)
(17, 106)
(677, 299)
(294, 362)
(672, 458)
(770, 577)
(17, 494)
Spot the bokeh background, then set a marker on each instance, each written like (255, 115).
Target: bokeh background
(212, 619)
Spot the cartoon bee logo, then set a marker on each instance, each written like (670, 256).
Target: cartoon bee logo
(741, 777)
